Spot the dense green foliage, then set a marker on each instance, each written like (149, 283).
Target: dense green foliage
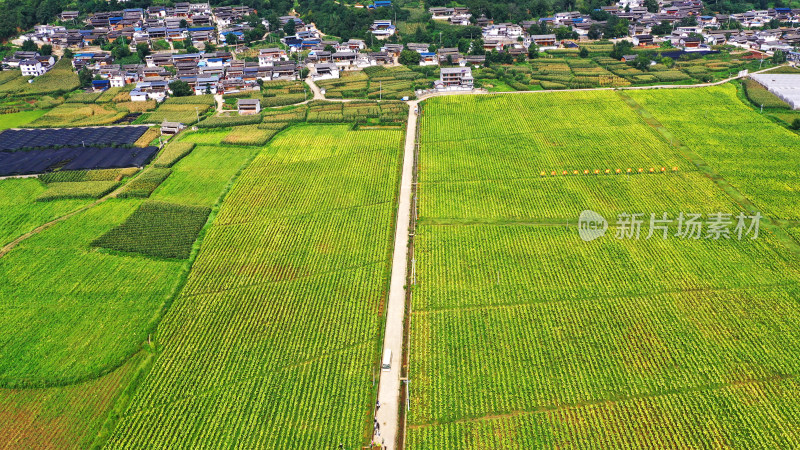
(524, 336)
(145, 183)
(21, 211)
(82, 189)
(172, 153)
(272, 341)
(760, 96)
(754, 154)
(162, 230)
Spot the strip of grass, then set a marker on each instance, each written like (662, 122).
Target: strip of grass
(84, 189)
(15, 120)
(146, 183)
(172, 153)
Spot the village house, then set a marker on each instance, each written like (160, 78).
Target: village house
(641, 40)
(248, 107)
(382, 28)
(325, 71)
(31, 68)
(454, 78)
(171, 128)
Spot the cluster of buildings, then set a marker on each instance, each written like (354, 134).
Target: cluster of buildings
(455, 16)
(32, 64)
(187, 23)
(205, 72)
(710, 30)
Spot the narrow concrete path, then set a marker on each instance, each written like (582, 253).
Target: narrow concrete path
(10, 246)
(314, 88)
(387, 415)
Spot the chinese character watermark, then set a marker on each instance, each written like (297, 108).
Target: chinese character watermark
(592, 225)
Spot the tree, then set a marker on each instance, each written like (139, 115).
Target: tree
(46, 50)
(191, 49)
(662, 29)
(121, 51)
(290, 28)
(621, 48)
(651, 5)
(180, 88)
(584, 53)
(779, 57)
(796, 124)
(68, 53)
(565, 33)
(184, 24)
(616, 27)
(599, 15)
(29, 46)
(332, 49)
(210, 47)
(667, 61)
(595, 31)
(533, 51)
(304, 73)
(642, 63)
(85, 77)
(142, 50)
(409, 58)
(231, 39)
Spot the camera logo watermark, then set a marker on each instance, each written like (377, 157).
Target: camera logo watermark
(592, 225)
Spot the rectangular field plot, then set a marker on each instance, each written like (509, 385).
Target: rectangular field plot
(757, 156)
(563, 197)
(273, 339)
(601, 133)
(42, 138)
(162, 230)
(522, 335)
(753, 415)
(199, 178)
(73, 158)
(480, 362)
(488, 265)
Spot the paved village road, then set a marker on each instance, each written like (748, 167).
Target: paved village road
(389, 388)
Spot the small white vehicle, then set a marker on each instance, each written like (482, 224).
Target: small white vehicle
(386, 363)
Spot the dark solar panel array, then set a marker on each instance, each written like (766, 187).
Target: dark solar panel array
(75, 137)
(73, 158)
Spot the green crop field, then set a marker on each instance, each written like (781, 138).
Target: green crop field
(273, 340)
(78, 318)
(232, 293)
(524, 336)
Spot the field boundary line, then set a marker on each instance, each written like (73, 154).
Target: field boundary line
(387, 417)
(612, 400)
(604, 297)
(257, 376)
(120, 406)
(724, 185)
(113, 194)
